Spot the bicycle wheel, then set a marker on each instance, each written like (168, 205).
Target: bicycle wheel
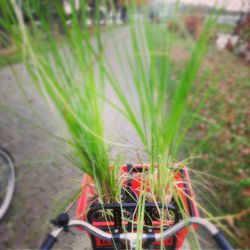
(7, 181)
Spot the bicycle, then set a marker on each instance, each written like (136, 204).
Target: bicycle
(7, 181)
(115, 232)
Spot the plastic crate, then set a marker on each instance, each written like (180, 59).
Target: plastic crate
(114, 224)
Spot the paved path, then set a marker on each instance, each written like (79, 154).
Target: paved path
(42, 175)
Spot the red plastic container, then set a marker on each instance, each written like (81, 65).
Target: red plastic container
(182, 184)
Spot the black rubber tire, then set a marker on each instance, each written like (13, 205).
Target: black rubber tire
(7, 181)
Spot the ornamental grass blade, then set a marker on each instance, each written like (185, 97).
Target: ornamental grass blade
(62, 64)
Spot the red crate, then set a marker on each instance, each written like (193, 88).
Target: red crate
(182, 183)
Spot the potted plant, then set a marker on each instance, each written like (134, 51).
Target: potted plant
(137, 197)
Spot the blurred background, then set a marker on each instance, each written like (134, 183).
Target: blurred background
(223, 157)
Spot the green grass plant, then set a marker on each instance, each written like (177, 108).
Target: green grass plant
(67, 79)
(162, 119)
(73, 77)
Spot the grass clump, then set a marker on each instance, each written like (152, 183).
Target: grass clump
(161, 118)
(66, 76)
(71, 78)
(163, 113)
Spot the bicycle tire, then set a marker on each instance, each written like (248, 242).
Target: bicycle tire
(7, 178)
